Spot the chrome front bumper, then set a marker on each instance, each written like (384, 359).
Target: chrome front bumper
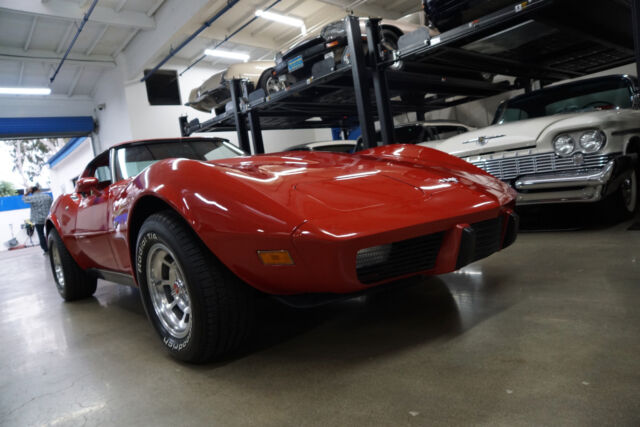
(585, 185)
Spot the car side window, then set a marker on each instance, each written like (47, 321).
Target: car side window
(99, 168)
(103, 173)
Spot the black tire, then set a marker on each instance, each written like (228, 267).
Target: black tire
(214, 305)
(625, 200)
(267, 84)
(72, 282)
(389, 39)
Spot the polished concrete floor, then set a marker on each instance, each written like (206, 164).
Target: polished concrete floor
(544, 333)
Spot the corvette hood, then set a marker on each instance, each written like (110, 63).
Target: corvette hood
(345, 192)
(509, 136)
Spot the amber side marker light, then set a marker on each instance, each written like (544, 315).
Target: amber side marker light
(332, 44)
(275, 257)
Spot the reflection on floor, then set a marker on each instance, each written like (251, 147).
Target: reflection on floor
(546, 332)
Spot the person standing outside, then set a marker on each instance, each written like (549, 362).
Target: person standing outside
(40, 204)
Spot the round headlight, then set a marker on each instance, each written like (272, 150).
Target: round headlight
(564, 145)
(592, 141)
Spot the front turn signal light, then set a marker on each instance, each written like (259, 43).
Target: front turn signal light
(280, 257)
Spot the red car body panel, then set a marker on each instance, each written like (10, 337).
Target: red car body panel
(321, 207)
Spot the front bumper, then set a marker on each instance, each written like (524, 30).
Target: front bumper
(585, 185)
(336, 265)
(211, 99)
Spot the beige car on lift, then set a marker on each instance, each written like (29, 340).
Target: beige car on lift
(214, 93)
(575, 142)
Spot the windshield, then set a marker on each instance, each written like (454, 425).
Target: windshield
(602, 94)
(414, 134)
(335, 148)
(131, 160)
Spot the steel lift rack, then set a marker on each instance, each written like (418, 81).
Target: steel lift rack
(529, 41)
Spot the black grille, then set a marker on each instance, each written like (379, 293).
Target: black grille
(488, 234)
(398, 258)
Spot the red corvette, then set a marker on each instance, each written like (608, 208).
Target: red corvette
(192, 221)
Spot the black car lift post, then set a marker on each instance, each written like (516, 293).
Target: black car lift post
(240, 122)
(360, 81)
(635, 23)
(254, 124)
(380, 87)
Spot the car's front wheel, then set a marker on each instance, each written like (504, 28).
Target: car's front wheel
(198, 307)
(72, 281)
(628, 193)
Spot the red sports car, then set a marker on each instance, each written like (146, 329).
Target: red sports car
(193, 221)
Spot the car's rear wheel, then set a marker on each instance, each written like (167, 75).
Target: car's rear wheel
(72, 282)
(197, 306)
(270, 83)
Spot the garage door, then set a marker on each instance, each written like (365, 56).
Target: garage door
(35, 127)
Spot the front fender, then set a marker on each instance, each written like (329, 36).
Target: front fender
(231, 217)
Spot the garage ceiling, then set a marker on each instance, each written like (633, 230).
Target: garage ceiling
(35, 34)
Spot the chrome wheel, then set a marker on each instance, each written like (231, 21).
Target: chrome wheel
(57, 265)
(273, 85)
(168, 291)
(629, 190)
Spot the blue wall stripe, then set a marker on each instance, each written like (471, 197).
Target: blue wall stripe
(24, 127)
(12, 203)
(67, 149)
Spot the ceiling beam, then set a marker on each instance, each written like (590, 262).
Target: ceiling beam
(243, 37)
(174, 19)
(155, 8)
(30, 35)
(125, 42)
(95, 41)
(74, 82)
(51, 57)
(63, 41)
(120, 6)
(363, 9)
(70, 10)
(21, 74)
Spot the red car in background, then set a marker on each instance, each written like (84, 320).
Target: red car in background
(196, 224)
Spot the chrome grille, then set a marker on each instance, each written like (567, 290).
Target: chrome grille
(510, 168)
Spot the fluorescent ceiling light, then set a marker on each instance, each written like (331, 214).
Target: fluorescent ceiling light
(287, 20)
(227, 54)
(25, 91)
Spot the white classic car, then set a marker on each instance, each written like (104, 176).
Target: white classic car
(214, 93)
(575, 142)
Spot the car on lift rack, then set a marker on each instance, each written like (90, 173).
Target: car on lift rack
(335, 146)
(424, 132)
(214, 93)
(296, 63)
(574, 142)
(199, 227)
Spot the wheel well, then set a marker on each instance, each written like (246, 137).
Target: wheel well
(146, 206)
(393, 29)
(633, 146)
(48, 225)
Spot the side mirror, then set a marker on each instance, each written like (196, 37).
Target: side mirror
(86, 184)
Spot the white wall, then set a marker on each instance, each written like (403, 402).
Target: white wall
(113, 119)
(41, 106)
(15, 218)
(70, 167)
